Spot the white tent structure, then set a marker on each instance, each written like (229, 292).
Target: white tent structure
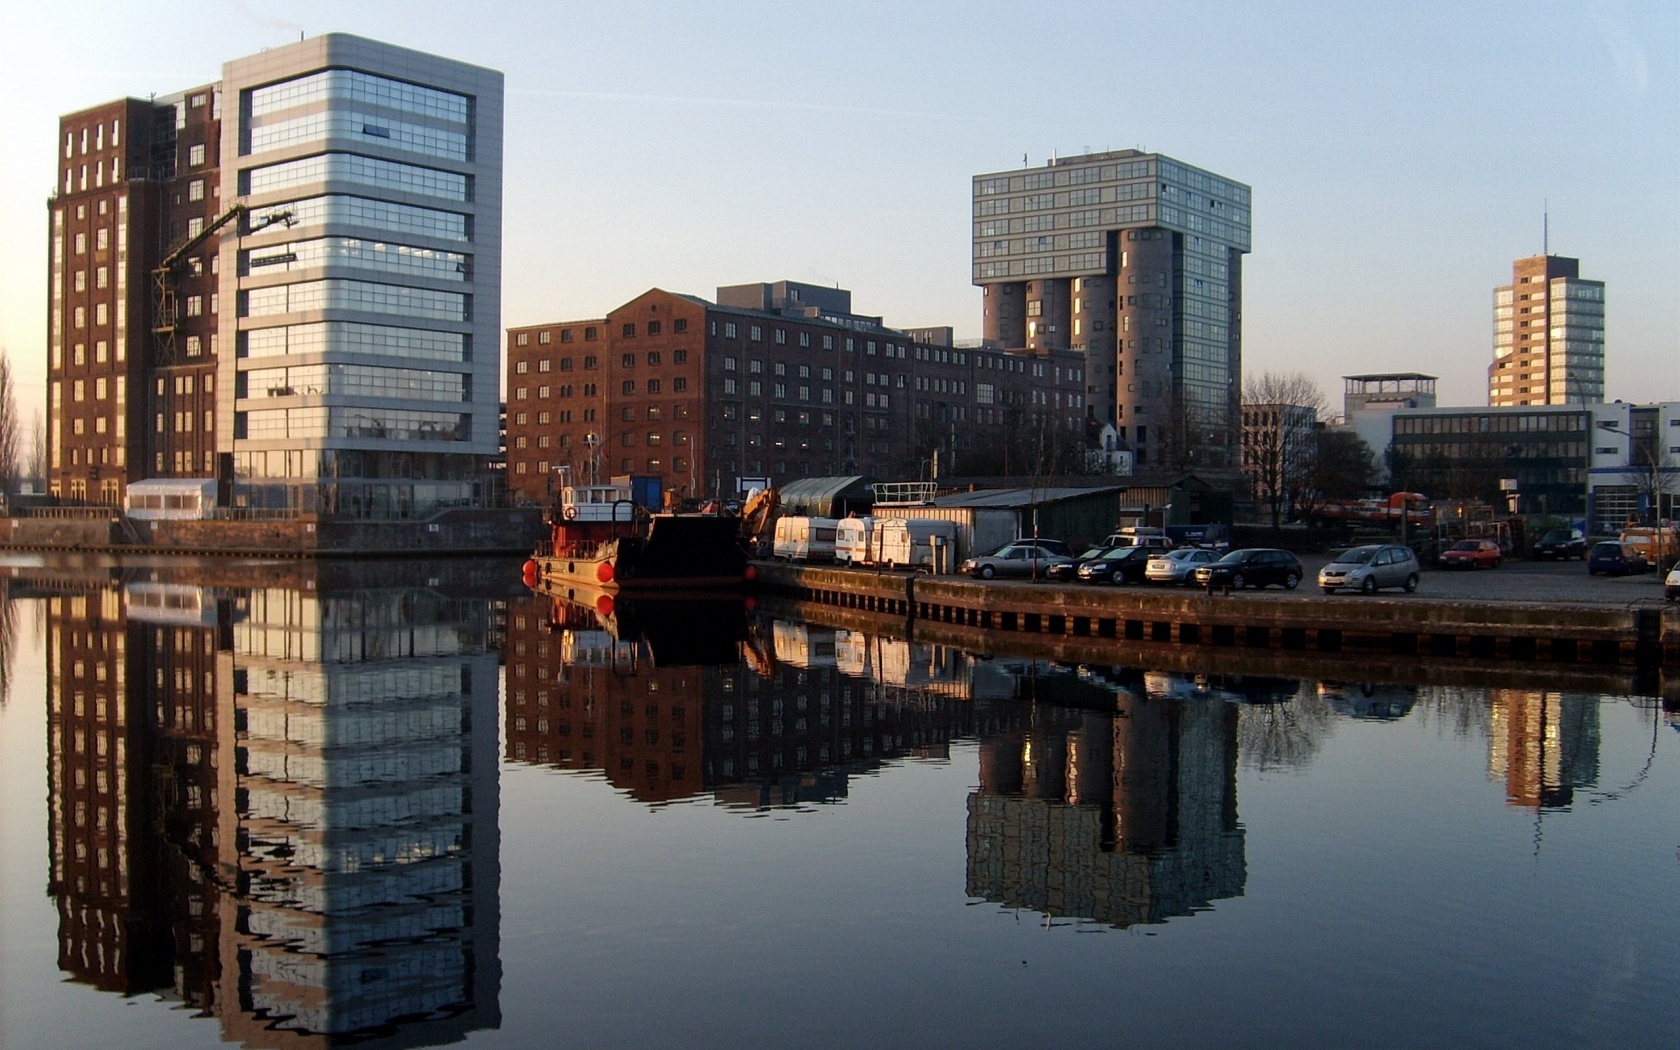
(173, 498)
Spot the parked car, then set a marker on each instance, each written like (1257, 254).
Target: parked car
(1561, 544)
(1472, 554)
(1252, 567)
(1178, 566)
(1056, 547)
(1371, 568)
(1671, 585)
(1012, 559)
(1120, 565)
(1614, 558)
(1065, 571)
(1140, 537)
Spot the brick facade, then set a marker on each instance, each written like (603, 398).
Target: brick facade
(703, 394)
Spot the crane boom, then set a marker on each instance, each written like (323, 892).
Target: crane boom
(165, 312)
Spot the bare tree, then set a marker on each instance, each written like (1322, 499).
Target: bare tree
(1655, 480)
(10, 428)
(36, 466)
(1284, 735)
(1279, 416)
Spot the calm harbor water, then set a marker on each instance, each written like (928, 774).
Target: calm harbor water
(306, 806)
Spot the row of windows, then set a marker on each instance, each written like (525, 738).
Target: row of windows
(183, 423)
(360, 254)
(101, 352)
(353, 337)
(359, 128)
(356, 422)
(353, 167)
(1201, 180)
(590, 363)
(338, 294)
(360, 87)
(1501, 423)
(567, 390)
(653, 465)
(341, 209)
(71, 180)
(98, 131)
(356, 381)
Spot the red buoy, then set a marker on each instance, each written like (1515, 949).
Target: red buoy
(750, 574)
(530, 566)
(604, 572)
(604, 605)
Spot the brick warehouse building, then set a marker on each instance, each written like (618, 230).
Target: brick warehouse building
(135, 176)
(773, 380)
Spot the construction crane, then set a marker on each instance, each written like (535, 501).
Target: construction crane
(756, 516)
(165, 303)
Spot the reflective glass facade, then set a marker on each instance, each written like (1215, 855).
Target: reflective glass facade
(353, 141)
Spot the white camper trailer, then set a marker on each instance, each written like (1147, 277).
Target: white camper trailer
(854, 541)
(805, 539)
(917, 543)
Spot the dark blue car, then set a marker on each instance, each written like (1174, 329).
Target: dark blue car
(1614, 558)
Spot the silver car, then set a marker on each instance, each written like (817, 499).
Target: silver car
(1014, 559)
(1179, 566)
(1370, 568)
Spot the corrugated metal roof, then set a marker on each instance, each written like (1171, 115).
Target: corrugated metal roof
(819, 494)
(1011, 498)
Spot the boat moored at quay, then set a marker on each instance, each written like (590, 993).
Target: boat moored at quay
(602, 536)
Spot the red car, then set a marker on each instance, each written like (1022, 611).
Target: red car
(1471, 554)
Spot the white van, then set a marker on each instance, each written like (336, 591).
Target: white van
(805, 539)
(921, 543)
(854, 541)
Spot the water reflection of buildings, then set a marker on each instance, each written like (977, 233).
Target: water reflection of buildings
(1100, 796)
(1123, 819)
(272, 804)
(769, 721)
(1543, 745)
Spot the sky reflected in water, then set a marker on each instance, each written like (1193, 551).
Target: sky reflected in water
(328, 805)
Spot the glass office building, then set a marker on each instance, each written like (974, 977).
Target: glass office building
(1136, 260)
(365, 277)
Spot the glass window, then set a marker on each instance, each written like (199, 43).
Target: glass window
(363, 87)
(341, 209)
(350, 167)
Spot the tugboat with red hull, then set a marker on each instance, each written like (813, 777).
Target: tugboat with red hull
(600, 537)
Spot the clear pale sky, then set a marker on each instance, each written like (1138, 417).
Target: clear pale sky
(1400, 154)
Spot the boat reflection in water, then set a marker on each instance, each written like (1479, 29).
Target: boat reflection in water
(278, 804)
(678, 697)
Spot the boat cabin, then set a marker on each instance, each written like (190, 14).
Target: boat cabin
(597, 503)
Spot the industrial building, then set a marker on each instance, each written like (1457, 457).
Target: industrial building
(772, 383)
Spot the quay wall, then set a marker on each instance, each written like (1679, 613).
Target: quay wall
(461, 531)
(1410, 626)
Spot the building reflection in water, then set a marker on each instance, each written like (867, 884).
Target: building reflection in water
(1112, 799)
(753, 718)
(1123, 819)
(279, 805)
(1542, 745)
